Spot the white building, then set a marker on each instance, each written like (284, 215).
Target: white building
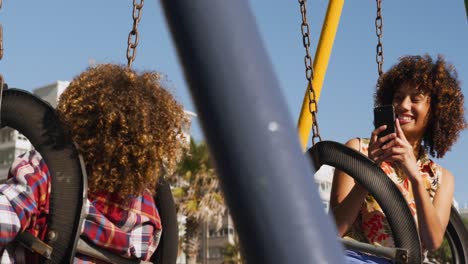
(214, 241)
(12, 144)
(52, 92)
(464, 212)
(323, 178)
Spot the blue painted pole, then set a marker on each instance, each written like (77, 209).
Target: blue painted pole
(267, 180)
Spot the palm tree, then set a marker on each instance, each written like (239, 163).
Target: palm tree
(197, 196)
(233, 253)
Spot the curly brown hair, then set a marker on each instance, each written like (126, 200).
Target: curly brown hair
(439, 80)
(126, 126)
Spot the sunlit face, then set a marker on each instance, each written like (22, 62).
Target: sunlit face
(412, 110)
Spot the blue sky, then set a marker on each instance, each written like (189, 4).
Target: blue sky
(46, 41)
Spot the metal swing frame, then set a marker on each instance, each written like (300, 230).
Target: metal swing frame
(265, 176)
(266, 179)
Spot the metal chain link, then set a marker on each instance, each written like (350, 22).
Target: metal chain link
(133, 35)
(379, 31)
(309, 70)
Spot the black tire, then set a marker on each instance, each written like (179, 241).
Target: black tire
(37, 120)
(166, 253)
(457, 237)
(370, 176)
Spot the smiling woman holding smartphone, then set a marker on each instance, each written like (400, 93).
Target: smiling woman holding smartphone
(429, 115)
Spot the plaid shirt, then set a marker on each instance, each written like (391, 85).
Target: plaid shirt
(132, 229)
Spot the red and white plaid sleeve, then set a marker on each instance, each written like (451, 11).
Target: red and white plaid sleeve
(24, 196)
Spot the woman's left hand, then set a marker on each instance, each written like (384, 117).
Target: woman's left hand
(400, 151)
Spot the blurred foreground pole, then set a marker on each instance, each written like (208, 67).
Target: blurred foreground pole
(267, 180)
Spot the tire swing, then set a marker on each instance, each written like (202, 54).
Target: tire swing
(364, 171)
(166, 252)
(37, 120)
(457, 238)
(373, 179)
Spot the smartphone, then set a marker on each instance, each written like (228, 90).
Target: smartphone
(385, 115)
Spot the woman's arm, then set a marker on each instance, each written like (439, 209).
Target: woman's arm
(24, 196)
(434, 216)
(9, 221)
(346, 196)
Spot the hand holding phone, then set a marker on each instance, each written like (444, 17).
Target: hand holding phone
(385, 115)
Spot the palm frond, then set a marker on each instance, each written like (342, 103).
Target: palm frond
(197, 193)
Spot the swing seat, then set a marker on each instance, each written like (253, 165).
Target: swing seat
(404, 230)
(36, 119)
(370, 176)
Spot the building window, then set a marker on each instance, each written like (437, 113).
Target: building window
(220, 233)
(215, 252)
(325, 205)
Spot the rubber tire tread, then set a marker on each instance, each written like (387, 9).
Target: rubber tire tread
(167, 250)
(457, 236)
(36, 119)
(379, 185)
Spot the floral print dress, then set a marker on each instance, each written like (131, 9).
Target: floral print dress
(371, 225)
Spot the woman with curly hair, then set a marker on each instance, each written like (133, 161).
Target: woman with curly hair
(128, 129)
(428, 103)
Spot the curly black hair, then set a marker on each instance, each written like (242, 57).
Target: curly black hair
(439, 80)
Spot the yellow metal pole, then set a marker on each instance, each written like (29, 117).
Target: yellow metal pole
(322, 55)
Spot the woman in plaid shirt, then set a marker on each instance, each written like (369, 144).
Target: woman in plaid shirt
(127, 127)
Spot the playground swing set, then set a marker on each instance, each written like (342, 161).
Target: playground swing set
(292, 229)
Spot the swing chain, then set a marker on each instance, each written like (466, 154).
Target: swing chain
(379, 31)
(133, 35)
(313, 105)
